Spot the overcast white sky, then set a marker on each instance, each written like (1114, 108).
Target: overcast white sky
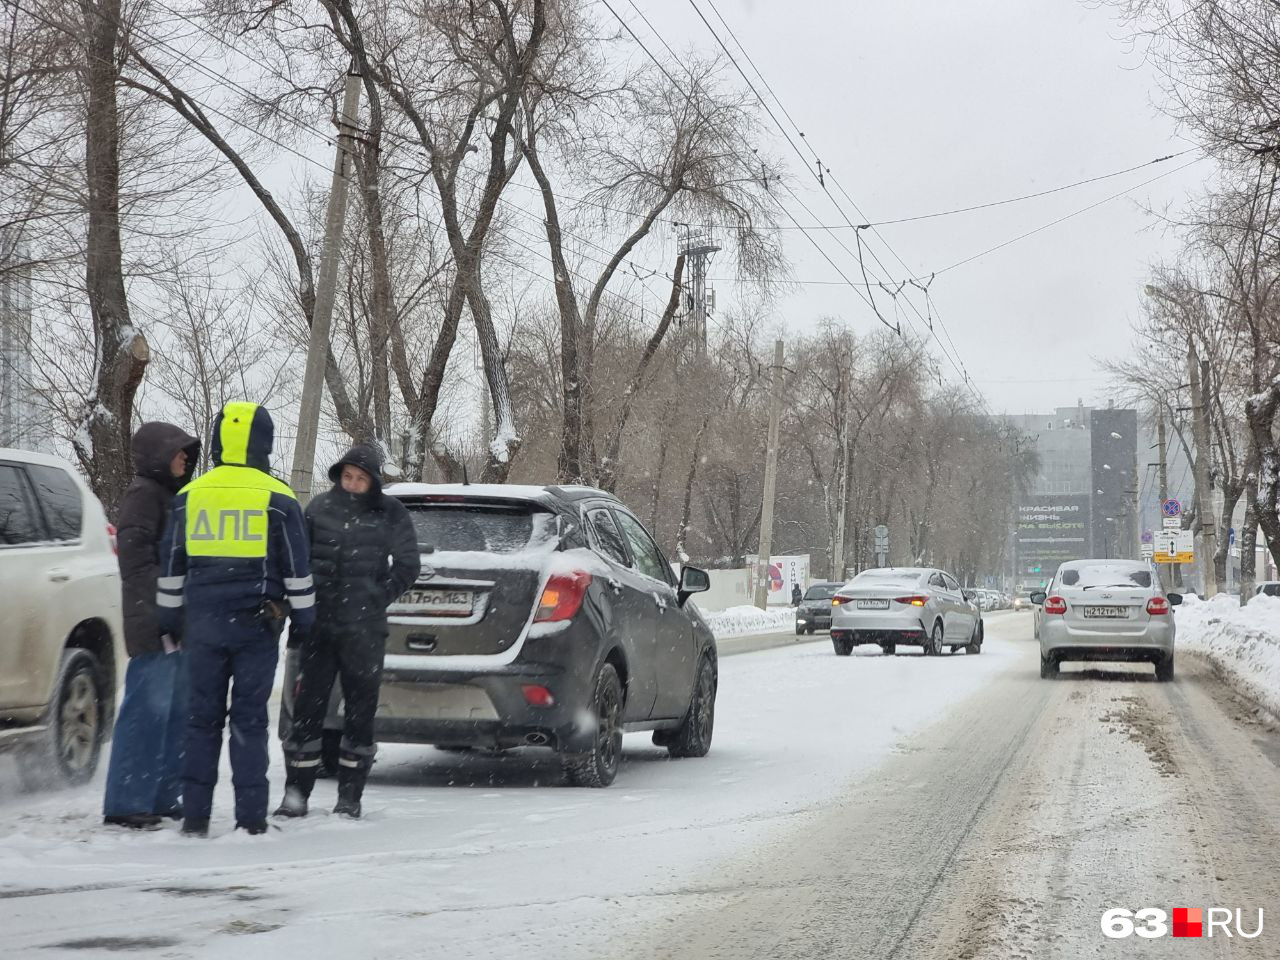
(925, 106)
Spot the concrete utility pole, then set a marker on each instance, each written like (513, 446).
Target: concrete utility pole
(1162, 468)
(770, 481)
(1208, 546)
(837, 554)
(304, 451)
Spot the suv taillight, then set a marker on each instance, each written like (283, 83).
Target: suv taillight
(562, 596)
(1157, 606)
(1055, 605)
(111, 535)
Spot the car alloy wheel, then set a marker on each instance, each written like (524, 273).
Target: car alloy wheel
(599, 766)
(78, 724)
(693, 737)
(934, 647)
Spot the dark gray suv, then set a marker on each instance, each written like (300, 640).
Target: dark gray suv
(544, 616)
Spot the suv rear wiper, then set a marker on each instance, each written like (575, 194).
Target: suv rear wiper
(1113, 586)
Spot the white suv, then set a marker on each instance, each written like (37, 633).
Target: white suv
(62, 650)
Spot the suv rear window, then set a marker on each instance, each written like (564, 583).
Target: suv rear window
(480, 528)
(17, 522)
(59, 498)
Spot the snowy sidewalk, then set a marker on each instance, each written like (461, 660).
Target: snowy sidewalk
(1243, 643)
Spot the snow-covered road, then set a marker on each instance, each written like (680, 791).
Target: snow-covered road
(869, 806)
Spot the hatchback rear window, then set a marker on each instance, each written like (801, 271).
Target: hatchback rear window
(480, 528)
(821, 593)
(1105, 575)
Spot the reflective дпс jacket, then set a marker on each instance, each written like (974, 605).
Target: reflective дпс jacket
(236, 536)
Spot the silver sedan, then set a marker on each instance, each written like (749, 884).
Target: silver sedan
(1106, 610)
(912, 605)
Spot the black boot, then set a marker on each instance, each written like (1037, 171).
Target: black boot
(353, 770)
(300, 779)
(195, 827)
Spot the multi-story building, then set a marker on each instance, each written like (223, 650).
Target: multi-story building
(16, 408)
(1084, 499)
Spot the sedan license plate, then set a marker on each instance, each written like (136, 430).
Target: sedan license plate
(873, 604)
(1106, 613)
(438, 603)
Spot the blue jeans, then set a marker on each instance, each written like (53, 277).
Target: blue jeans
(232, 649)
(145, 774)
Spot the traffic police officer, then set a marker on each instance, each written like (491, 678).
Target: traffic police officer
(234, 562)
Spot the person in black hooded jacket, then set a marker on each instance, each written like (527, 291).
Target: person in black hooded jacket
(144, 779)
(364, 555)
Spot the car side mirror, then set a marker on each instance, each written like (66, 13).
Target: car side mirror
(1175, 599)
(693, 580)
(1038, 598)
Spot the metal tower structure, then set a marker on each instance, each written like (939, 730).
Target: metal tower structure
(697, 245)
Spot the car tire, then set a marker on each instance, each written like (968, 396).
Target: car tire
(599, 765)
(1164, 670)
(693, 737)
(68, 752)
(1048, 668)
(843, 647)
(799, 631)
(810, 630)
(975, 642)
(889, 649)
(933, 645)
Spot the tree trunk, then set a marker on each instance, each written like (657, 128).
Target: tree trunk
(1249, 542)
(1231, 493)
(686, 511)
(102, 441)
(1260, 412)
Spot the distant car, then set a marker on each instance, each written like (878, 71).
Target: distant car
(1022, 601)
(814, 612)
(1108, 610)
(544, 616)
(62, 656)
(905, 605)
(1270, 588)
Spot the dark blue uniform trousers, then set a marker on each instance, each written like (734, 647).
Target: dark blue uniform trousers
(145, 774)
(239, 650)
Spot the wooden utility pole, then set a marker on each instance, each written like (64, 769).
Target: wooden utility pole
(770, 481)
(1207, 547)
(304, 450)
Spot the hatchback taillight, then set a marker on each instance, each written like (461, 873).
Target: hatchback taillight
(1055, 605)
(1157, 606)
(111, 535)
(839, 601)
(562, 596)
(915, 600)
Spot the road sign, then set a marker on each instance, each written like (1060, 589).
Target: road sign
(1175, 546)
(1148, 536)
(1171, 508)
(882, 531)
(1172, 523)
(1148, 551)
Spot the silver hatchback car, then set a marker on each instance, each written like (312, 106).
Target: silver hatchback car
(1110, 610)
(912, 605)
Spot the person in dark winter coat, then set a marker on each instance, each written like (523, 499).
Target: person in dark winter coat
(234, 563)
(364, 555)
(144, 778)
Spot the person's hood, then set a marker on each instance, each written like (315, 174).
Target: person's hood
(155, 445)
(243, 435)
(369, 459)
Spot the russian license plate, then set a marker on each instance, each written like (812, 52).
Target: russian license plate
(438, 603)
(1106, 613)
(873, 604)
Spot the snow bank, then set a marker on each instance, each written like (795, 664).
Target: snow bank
(1242, 642)
(747, 621)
